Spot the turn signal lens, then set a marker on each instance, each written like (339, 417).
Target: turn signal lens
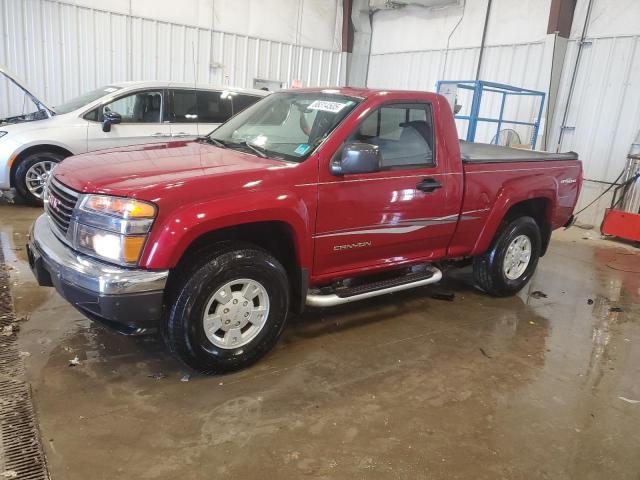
(118, 206)
(132, 248)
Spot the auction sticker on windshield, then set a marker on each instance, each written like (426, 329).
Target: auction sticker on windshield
(327, 106)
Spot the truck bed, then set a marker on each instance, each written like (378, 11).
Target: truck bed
(489, 153)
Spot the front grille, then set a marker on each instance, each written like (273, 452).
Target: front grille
(60, 203)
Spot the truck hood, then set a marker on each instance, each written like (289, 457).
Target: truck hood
(44, 110)
(157, 170)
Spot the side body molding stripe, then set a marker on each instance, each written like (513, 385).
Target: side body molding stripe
(401, 227)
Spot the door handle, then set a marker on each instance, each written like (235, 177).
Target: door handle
(160, 134)
(428, 185)
(180, 134)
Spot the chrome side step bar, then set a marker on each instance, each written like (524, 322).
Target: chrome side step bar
(331, 299)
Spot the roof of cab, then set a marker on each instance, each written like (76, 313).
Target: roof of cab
(360, 92)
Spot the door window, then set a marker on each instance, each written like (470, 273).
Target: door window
(139, 107)
(92, 116)
(240, 102)
(403, 132)
(184, 105)
(212, 107)
(203, 106)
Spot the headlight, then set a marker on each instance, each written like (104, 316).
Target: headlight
(113, 228)
(124, 249)
(2, 134)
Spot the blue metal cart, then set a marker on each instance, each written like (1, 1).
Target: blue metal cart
(479, 87)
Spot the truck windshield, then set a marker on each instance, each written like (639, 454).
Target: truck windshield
(287, 125)
(85, 99)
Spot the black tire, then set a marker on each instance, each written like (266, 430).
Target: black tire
(488, 269)
(194, 285)
(20, 180)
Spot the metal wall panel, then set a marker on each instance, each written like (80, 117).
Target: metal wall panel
(63, 50)
(604, 115)
(523, 65)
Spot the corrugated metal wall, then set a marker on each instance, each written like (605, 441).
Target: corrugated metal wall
(524, 65)
(604, 115)
(64, 50)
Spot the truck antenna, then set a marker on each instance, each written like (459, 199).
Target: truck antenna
(195, 70)
(195, 81)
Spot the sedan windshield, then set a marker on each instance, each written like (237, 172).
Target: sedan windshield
(85, 99)
(287, 125)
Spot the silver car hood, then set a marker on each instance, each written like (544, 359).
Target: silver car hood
(13, 78)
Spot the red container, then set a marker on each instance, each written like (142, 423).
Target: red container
(621, 224)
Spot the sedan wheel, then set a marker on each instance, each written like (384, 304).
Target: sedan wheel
(36, 177)
(32, 173)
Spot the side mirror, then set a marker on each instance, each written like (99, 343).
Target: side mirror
(110, 118)
(357, 158)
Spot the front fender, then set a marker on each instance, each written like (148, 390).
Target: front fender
(172, 235)
(511, 193)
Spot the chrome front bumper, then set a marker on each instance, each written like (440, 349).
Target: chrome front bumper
(128, 299)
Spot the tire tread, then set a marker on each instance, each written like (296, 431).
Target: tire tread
(179, 301)
(487, 268)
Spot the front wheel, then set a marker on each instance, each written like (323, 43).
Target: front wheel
(511, 260)
(32, 174)
(228, 309)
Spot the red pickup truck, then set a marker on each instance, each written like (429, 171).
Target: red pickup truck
(313, 197)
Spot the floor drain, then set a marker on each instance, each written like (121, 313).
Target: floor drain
(21, 453)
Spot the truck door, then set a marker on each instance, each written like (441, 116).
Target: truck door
(398, 214)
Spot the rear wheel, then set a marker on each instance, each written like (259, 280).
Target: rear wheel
(511, 260)
(228, 310)
(32, 174)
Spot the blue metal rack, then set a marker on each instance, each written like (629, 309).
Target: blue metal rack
(479, 87)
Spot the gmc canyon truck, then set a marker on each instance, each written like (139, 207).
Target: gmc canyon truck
(315, 197)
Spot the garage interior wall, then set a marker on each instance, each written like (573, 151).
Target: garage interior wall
(604, 115)
(443, 43)
(62, 49)
(413, 47)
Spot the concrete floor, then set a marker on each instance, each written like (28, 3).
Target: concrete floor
(403, 386)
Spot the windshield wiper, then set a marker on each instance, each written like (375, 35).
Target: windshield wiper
(213, 141)
(258, 150)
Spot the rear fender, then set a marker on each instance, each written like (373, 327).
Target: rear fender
(513, 192)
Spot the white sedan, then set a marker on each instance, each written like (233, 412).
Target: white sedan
(115, 115)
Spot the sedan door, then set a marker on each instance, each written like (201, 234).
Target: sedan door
(199, 112)
(141, 115)
(214, 108)
(183, 113)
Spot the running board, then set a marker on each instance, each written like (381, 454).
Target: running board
(375, 289)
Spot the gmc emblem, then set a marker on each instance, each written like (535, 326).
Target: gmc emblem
(53, 201)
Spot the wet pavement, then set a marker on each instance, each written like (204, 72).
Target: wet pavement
(403, 386)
